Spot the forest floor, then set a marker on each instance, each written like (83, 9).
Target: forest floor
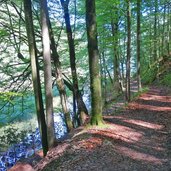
(135, 138)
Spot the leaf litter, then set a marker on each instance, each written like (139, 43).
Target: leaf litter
(137, 138)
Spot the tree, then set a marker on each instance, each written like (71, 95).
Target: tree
(155, 30)
(35, 75)
(169, 29)
(59, 79)
(82, 110)
(138, 43)
(47, 74)
(93, 53)
(115, 34)
(153, 27)
(128, 95)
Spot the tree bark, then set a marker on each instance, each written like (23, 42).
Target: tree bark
(82, 110)
(163, 47)
(47, 74)
(115, 32)
(95, 86)
(128, 94)
(35, 75)
(155, 30)
(138, 44)
(168, 30)
(59, 79)
(104, 76)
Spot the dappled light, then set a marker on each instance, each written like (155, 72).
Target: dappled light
(156, 98)
(88, 144)
(134, 137)
(119, 132)
(144, 124)
(140, 156)
(149, 107)
(140, 123)
(85, 85)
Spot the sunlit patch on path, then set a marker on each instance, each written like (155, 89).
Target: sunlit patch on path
(141, 123)
(150, 107)
(156, 98)
(134, 154)
(136, 138)
(119, 132)
(147, 121)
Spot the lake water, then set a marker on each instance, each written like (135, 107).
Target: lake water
(32, 141)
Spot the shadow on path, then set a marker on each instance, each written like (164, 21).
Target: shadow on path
(145, 129)
(138, 138)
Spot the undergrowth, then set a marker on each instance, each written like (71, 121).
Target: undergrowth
(166, 80)
(137, 94)
(14, 132)
(149, 75)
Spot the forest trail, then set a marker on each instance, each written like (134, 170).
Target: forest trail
(137, 138)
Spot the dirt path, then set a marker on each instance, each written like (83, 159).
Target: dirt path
(137, 138)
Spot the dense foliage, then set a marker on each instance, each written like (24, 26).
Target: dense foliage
(117, 40)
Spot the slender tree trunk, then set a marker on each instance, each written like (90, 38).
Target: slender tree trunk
(128, 94)
(151, 56)
(59, 79)
(138, 43)
(103, 69)
(35, 75)
(95, 86)
(124, 59)
(155, 30)
(115, 32)
(82, 110)
(47, 74)
(169, 30)
(103, 74)
(163, 33)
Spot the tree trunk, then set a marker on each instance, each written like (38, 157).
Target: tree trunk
(104, 75)
(82, 110)
(155, 30)
(138, 43)
(163, 47)
(114, 24)
(47, 75)
(168, 30)
(59, 79)
(95, 86)
(128, 94)
(35, 75)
